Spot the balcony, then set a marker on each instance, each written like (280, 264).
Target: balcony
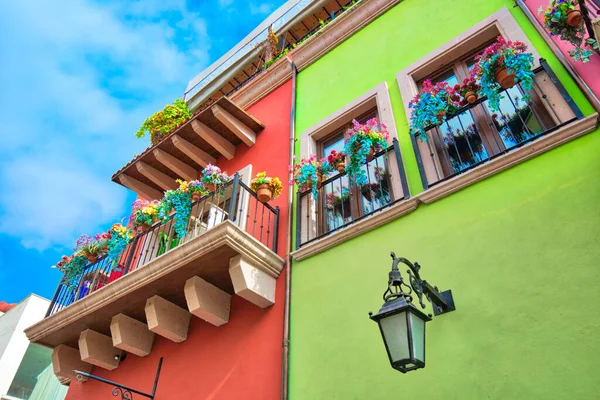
(341, 203)
(475, 134)
(230, 249)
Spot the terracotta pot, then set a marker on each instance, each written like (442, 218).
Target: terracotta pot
(440, 116)
(574, 18)
(340, 167)
(505, 80)
(92, 258)
(471, 97)
(370, 155)
(195, 196)
(264, 193)
(144, 227)
(211, 187)
(319, 180)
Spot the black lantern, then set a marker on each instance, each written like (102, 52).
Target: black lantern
(401, 323)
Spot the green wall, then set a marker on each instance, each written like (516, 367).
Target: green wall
(519, 250)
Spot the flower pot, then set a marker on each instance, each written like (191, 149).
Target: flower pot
(143, 228)
(574, 18)
(211, 187)
(440, 116)
(195, 196)
(340, 167)
(370, 155)
(471, 97)
(503, 78)
(264, 193)
(92, 258)
(319, 180)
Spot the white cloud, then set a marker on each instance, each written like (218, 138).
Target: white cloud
(77, 80)
(261, 8)
(52, 204)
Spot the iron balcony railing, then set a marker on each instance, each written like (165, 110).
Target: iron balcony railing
(475, 134)
(340, 202)
(234, 201)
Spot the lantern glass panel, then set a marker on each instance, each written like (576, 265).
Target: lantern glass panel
(395, 332)
(418, 336)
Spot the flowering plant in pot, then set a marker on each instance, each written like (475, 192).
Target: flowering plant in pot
(119, 237)
(308, 174)
(72, 267)
(562, 18)
(468, 89)
(90, 247)
(143, 215)
(213, 177)
(362, 141)
(266, 188)
(337, 160)
(195, 189)
(431, 106)
(165, 121)
(502, 65)
(176, 203)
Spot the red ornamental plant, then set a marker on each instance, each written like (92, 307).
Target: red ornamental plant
(469, 90)
(337, 160)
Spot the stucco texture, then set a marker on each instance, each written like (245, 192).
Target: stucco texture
(519, 250)
(241, 359)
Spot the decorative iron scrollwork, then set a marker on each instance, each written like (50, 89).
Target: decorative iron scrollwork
(416, 287)
(125, 394)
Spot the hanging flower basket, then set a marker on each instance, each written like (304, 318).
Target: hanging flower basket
(308, 174)
(213, 177)
(431, 106)
(362, 142)
(502, 65)
(196, 196)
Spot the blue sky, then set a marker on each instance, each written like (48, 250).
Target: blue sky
(77, 79)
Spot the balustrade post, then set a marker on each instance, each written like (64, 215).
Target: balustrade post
(234, 196)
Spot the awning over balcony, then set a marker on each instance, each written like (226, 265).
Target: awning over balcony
(214, 132)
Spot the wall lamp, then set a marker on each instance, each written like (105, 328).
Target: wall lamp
(401, 323)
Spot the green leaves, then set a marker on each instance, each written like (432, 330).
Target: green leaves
(165, 121)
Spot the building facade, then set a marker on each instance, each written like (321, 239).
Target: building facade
(502, 227)
(497, 206)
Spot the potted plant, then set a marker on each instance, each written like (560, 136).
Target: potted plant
(72, 267)
(308, 174)
(337, 160)
(197, 190)
(163, 122)
(213, 177)
(562, 18)
(91, 248)
(502, 65)
(266, 188)
(339, 202)
(143, 215)
(119, 237)
(431, 106)
(176, 204)
(362, 142)
(468, 90)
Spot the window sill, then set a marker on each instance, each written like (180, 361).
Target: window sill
(497, 165)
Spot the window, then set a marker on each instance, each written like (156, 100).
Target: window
(477, 134)
(339, 201)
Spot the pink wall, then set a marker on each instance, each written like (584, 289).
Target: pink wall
(588, 71)
(241, 359)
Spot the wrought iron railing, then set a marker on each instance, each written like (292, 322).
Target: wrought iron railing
(590, 10)
(234, 201)
(475, 134)
(340, 202)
